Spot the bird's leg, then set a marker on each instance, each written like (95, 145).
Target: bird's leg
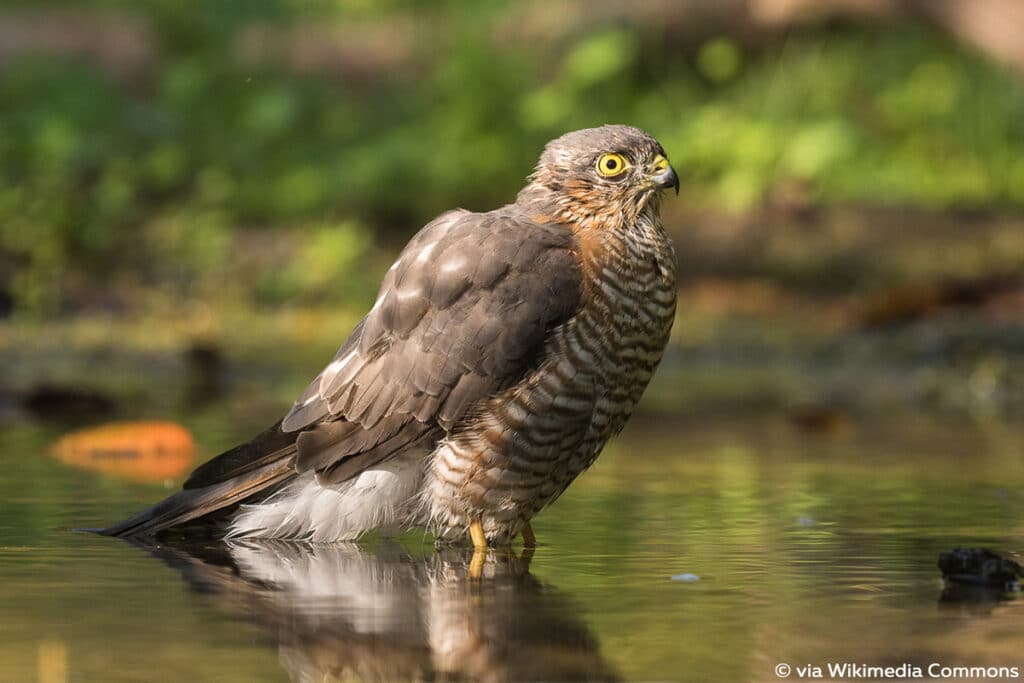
(476, 565)
(476, 532)
(529, 540)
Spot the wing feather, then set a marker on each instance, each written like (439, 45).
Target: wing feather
(462, 314)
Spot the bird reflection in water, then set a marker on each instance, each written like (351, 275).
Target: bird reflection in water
(341, 612)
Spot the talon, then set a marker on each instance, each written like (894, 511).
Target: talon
(529, 540)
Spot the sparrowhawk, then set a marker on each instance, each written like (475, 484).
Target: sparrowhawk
(503, 351)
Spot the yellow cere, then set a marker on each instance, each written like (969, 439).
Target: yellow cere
(611, 164)
(660, 163)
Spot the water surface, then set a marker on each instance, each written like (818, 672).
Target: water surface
(806, 548)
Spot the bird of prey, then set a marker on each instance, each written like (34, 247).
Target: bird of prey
(503, 351)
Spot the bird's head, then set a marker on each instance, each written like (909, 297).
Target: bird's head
(606, 174)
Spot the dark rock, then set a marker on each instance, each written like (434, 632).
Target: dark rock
(56, 402)
(979, 567)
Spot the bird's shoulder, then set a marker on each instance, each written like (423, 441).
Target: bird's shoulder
(483, 246)
(469, 272)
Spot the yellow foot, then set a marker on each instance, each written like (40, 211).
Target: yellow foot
(476, 532)
(529, 540)
(476, 565)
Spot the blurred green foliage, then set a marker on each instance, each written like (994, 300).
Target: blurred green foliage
(157, 183)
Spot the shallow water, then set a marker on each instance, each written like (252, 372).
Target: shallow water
(808, 550)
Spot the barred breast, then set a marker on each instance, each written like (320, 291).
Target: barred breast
(532, 440)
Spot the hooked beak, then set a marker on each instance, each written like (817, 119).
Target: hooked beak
(663, 175)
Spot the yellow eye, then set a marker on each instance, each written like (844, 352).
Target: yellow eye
(611, 164)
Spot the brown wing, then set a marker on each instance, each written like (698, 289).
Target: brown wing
(462, 314)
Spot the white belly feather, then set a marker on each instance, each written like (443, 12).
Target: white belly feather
(381, 497)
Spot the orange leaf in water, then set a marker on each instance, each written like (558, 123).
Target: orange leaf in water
(142, 451)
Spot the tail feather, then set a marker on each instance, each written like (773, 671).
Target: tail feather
(191, 504)
(269, 446)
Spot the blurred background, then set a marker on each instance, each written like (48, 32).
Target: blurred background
(198, 200)
(221, 186)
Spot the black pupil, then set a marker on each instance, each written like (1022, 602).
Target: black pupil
(611, 164)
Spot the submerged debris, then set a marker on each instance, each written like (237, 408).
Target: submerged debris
(980, 567)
